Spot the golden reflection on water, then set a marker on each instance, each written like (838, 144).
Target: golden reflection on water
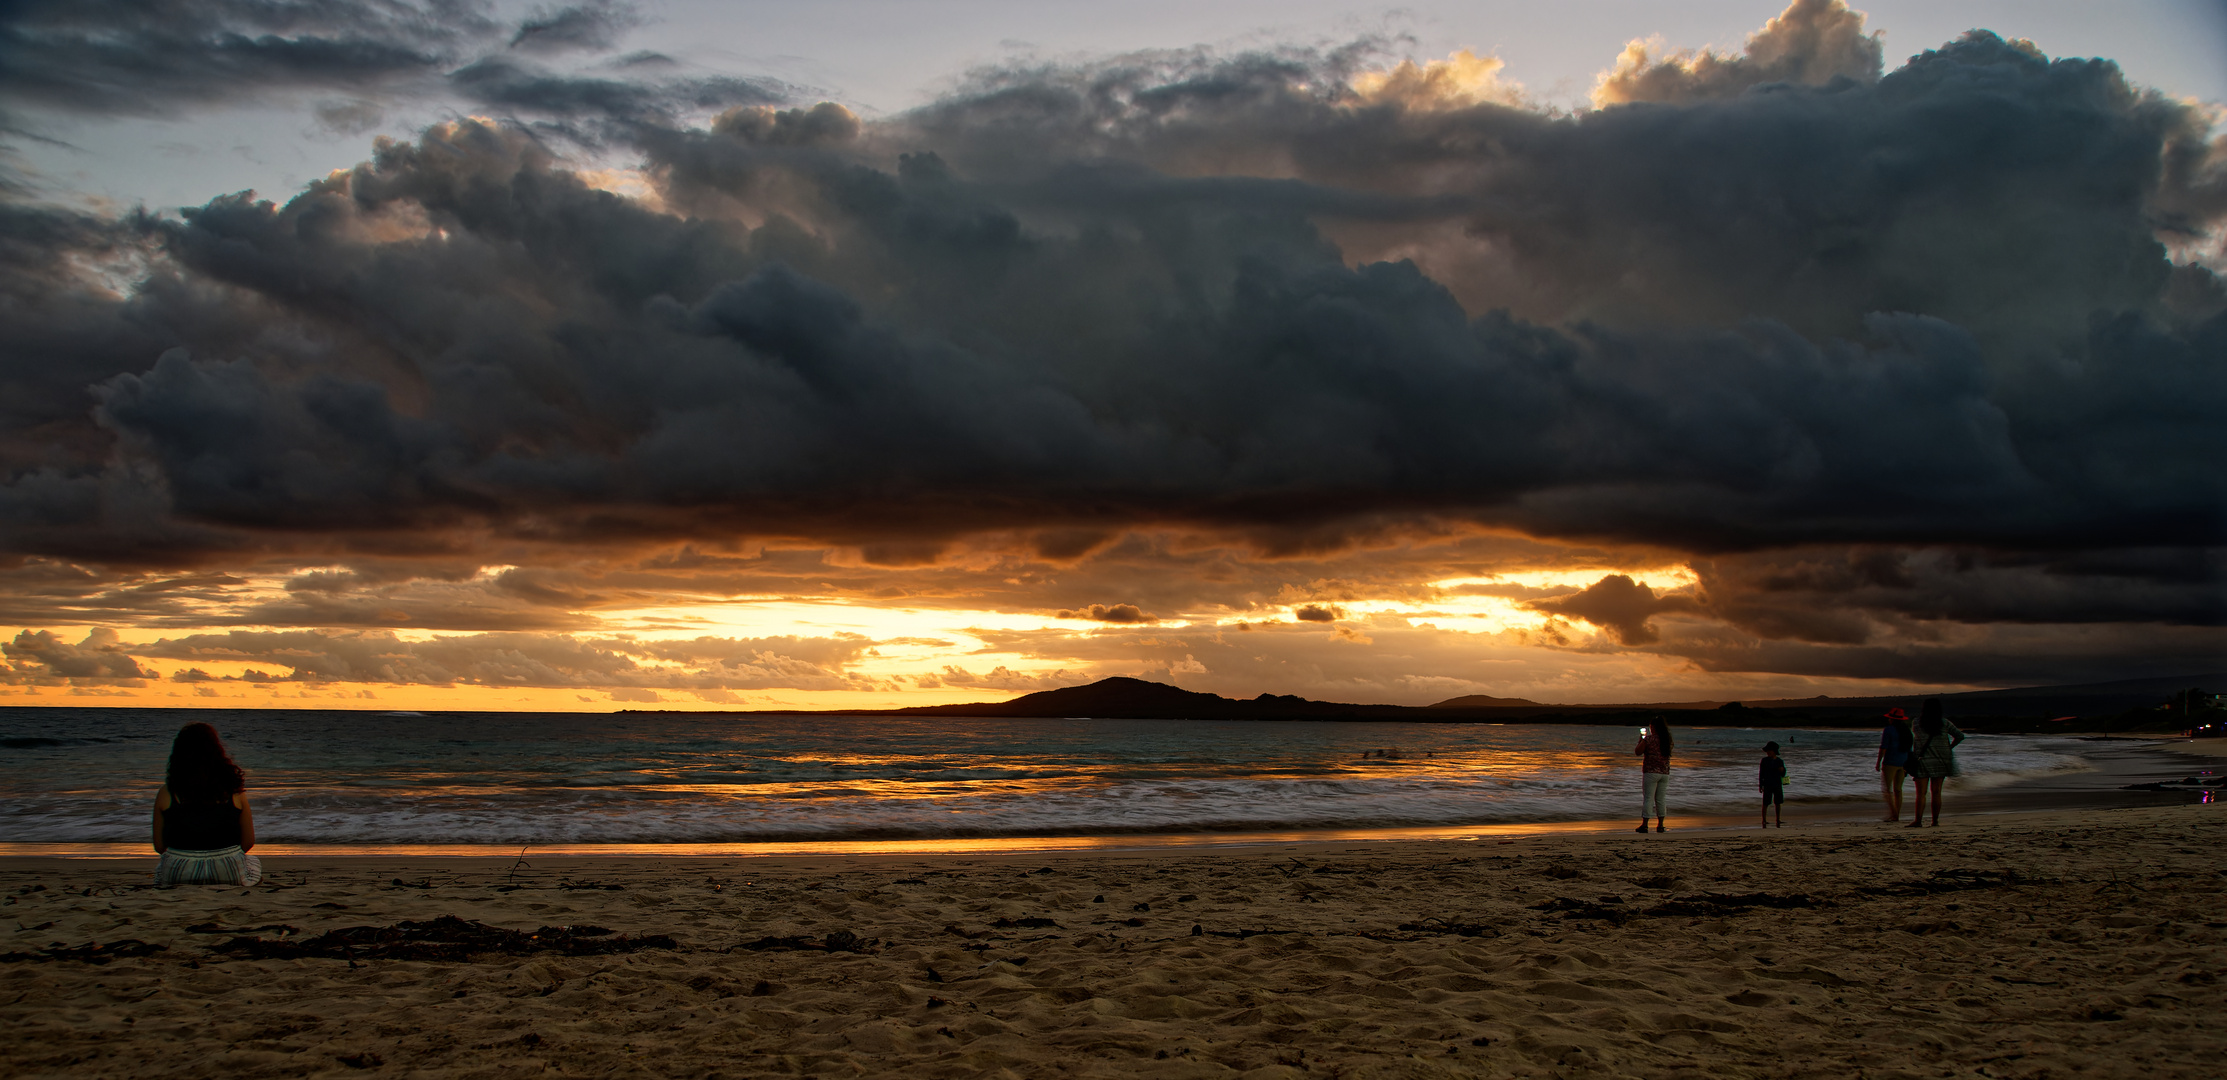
(997, 845)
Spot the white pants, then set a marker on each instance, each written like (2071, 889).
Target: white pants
(222, 866)
(1651, 794)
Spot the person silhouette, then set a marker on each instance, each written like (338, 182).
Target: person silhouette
(1892, 761)
(203, 827)
(1654, 751)
(1770, 779)
(1932, 760)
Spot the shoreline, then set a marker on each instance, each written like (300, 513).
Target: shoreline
(2104, 785)
(280, 858)
(2032, 944)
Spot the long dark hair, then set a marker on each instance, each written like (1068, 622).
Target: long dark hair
(1661, 733)
(200, 769)
(1929, 716)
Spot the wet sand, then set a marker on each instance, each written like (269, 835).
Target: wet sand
(2031, 944)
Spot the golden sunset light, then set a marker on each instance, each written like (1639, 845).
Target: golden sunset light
(1154, 539)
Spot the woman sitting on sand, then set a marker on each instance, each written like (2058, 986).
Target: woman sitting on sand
(1932, 759)
(1654, 771)
(203, 827)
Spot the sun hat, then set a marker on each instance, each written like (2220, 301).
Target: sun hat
(1897, 714)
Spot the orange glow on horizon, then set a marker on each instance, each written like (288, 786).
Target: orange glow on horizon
(714, 652)
(383, 697)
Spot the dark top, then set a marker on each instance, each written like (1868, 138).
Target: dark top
(1772, 775)
(1897, 747)
(205, 826)
(1650, 753)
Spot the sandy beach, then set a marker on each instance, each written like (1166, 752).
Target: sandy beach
(2009, 945)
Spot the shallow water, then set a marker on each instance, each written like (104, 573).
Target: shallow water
(85, 776)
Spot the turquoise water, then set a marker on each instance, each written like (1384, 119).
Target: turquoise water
(85, 776)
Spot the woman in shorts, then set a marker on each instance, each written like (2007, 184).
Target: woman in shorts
(1892, 760)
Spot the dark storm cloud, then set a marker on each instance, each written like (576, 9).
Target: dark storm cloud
(1996, 654)
(592, 26)
(1619, 605)
(158, 57)
(1108, 613)
(511, 659)
(1841, 595)
(1785, 308)
(507, 83)
(1981, 183)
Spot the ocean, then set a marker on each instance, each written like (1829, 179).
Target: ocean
(85, 778)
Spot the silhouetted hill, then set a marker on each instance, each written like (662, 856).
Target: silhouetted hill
(1124, 698)
(2126, 705)
(1119, 697)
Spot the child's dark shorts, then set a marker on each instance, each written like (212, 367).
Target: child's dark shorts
(1775, 795)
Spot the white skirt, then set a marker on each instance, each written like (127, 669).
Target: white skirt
(224, 866)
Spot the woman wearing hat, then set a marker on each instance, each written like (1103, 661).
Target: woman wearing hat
(1893, 759)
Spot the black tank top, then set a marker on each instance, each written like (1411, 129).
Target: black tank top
(204, 826)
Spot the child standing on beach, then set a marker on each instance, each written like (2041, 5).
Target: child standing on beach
(1770, 778)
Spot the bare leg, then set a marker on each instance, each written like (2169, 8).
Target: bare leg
(1894, 801)
(1917, 804)
(1935, 783)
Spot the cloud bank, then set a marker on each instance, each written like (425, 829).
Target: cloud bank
(1932, 344)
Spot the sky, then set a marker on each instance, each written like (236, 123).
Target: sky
(446, 354)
